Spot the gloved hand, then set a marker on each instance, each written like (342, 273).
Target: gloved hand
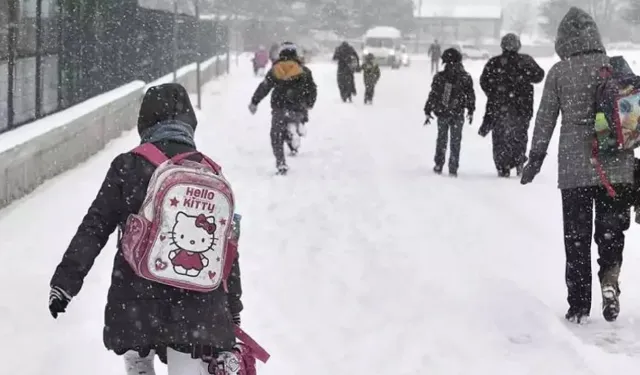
(253, 108)
(58, 301)
(470, 118)
(532, 168)
(428, 120)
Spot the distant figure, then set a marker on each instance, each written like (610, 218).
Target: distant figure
(348, 64)
(508, 80)
(435, 52)
(371, 75)
(260, 60)
(451, 93)
(274, 52)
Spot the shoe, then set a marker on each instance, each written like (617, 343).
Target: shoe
(505, 173)
(519, 170)
(437, 169)
(282, 169)
(577, 316)
(610, 294)
(453, 174)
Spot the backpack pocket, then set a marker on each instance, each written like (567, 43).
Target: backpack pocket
(135, 241)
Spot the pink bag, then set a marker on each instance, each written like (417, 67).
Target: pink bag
(241, 360)
(182, 235)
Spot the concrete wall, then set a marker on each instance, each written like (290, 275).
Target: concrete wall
(38, 151)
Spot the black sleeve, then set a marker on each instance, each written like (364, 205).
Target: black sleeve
(470, 94)
(377, 72)
(437, 86)
(234, 287)
(533, 71)
(310, 89)
(487, 77)
(93, 233)
(263, 89)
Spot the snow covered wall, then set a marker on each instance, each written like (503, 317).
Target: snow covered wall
(38, 151)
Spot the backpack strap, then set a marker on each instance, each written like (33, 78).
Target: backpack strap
(600, 170)
(180, 157)
(150, 152)
(259, 352)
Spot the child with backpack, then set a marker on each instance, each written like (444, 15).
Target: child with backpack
(175, 287)
(451, 93)
(371, 75)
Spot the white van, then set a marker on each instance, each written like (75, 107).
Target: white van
(384, 43)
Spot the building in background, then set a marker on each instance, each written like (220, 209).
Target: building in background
(479, 25)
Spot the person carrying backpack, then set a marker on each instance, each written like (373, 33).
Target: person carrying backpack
(294, 94)
(451, 93)
(175, 287)
(571, 88)
(507, 80)
(371, 76)
(348, 63)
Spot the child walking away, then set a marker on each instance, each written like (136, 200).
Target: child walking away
(175, 286)
(451, 93)
(371, 74)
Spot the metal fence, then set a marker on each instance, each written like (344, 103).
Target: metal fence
(57, 53)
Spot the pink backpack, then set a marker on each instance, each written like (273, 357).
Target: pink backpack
(242, 359)
(182, 235)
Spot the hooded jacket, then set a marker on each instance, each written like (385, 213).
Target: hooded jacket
(508, 80)
(292, 84)
(462, 94)
(142, 315)
(570, 89)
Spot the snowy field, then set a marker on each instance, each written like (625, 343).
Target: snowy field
(361, 261)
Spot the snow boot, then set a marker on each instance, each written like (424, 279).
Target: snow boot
(282, 169)
(504, 173)
(519, 170)
(437, 169)
(610, 294)
(453, 174)
(577, 316)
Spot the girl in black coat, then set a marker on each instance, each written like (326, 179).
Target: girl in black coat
(141, 316)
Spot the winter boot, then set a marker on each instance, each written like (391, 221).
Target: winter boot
(578, 316)
(282, 169)
(437, 169)
(453, 174)
(610, 294)
(504, 173)
(519, 170)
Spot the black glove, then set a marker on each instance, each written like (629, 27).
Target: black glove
(428, 120)
(58, 301)
(532, 168)
(470, 118)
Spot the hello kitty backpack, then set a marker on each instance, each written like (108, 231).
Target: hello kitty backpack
(182, 235)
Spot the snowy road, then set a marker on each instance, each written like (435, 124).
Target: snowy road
(361, 261)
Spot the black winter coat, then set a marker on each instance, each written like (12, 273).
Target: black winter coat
(345, 56)
(370, 73)
(292, 84)
(508, 80)
(462, 95)
(142, 315)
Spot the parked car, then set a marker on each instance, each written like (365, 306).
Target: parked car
(472, 52)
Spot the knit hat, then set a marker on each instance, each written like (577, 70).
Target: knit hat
(510, 43)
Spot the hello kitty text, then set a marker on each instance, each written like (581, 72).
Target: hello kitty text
(199, 199)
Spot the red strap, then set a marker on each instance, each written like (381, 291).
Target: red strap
(601, 173)
(150, 152)
(259, 352)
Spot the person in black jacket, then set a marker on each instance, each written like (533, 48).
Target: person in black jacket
(348, 64)
(143, 316)
(508, 80)
(294, 94)
(435, 52)
(451, 93)
(371, 76)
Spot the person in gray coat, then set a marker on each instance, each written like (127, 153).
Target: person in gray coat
(570, 88)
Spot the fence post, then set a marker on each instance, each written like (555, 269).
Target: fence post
(198, 41)
(38, 77)
(175, 41)
(11, 63)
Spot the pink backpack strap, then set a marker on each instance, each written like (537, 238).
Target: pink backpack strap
(259, 352)
(178, 158)
(150, 152)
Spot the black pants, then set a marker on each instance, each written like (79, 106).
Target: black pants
(435, 65)
(369, 91)
(449, 127)
(510, 136)
(279, 135)
(346, 83)
(612, 217)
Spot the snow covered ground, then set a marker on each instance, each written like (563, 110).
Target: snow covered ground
(361, 261)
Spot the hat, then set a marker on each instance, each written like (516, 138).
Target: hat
(169, 101)
(510, 43)
(451, 55)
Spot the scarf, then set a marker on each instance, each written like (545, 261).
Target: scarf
(171, 130)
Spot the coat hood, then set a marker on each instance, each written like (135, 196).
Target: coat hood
(164, 103)
(578, 33)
